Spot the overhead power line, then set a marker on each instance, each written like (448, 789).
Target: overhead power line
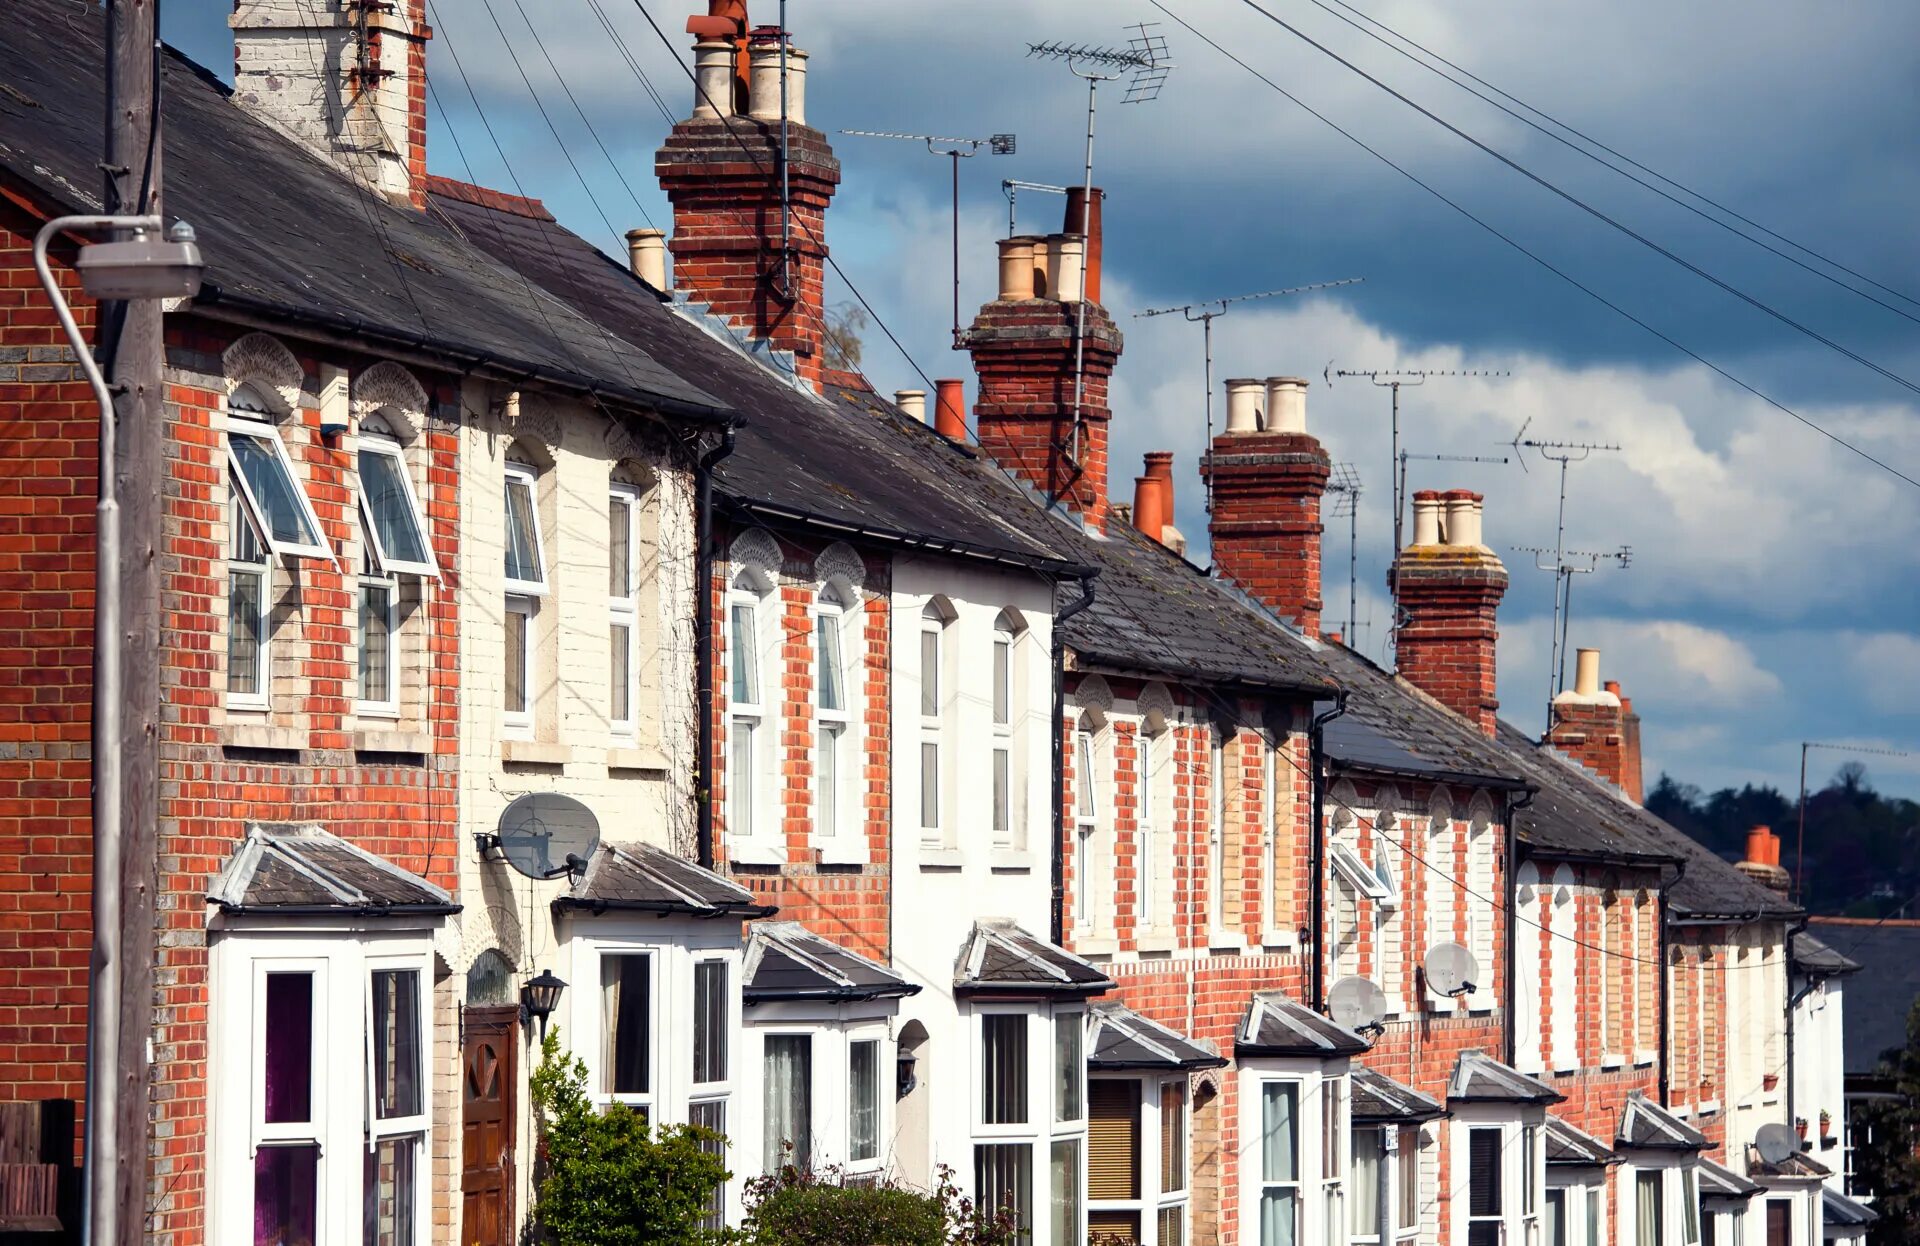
(1756, 303)
(1535, 256)
(1609, 164)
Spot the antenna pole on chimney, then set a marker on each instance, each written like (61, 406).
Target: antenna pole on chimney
(1392, 379)
(1345, 485)
(1205, 320)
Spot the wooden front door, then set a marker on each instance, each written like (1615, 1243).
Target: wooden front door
(1779, 1222)
(490, 1079)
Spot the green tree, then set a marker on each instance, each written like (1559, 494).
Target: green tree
(609, 1180)
(1889, 1164)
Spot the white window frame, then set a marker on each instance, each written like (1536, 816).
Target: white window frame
(838, 823)
(1149, 745)
(934, 667)
(1040, 1131)
(1336, 1146)
(524, 476)
(820, 1053)
(259, 427)
(1218, 740)
(370, 442)
(1086, 823)
(1406, 1142)
(1356, 873)
(1522, 1172)
(1318, 1187)
(757, 841)
(341, 1124)
(520, 722)
(1005, 710)
(1273, 934)
(882, 1086)
(654, 1097)
(240, 513)
(375, 574)
(623, 609)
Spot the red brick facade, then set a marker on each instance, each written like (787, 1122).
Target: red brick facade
(1449, 595)
(1266, 518)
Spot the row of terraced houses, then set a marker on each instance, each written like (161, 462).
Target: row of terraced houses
(948, 815)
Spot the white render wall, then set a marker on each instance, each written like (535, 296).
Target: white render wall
(639, 788)
(1756, 1031)
(1819, 1068)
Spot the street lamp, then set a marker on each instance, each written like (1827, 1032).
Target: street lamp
(540, 996)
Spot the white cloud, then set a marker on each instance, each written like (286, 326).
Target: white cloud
(1887, 667)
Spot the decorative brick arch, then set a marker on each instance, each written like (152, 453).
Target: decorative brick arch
(264, 362)
(622, 444)
(839, 562)
(1095, 698)
(529, 417)
(393, 391)
(1155, 702)
(756, 550)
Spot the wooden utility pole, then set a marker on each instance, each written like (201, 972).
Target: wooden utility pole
(132, 352)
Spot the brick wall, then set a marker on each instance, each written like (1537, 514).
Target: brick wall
(1446, 647)
(1265, 524)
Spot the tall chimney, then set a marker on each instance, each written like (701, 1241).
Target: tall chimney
(1159, 465)
(347, 80)
(1268, 474)
(720, 169)
(1024, 346)
(1449, 587)
(1083, 218)
(1632, 777)
(1588, 723)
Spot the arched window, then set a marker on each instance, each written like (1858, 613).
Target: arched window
(751, 731)
(1478, 899)
(1532, 1019)
(1089, 806)
(1271, 910)
(1443, 879)
(1389, 952)
(268, 516)
(1217, 828)
(624, 554)
(1153, 823)
(1008, 695)
(526, 584)
(1343, 891)
(836, 814)
(1563, 967)
(936, 713)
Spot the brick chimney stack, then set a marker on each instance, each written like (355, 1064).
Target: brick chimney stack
(1268, 475)
(1023, 347)
(721, 170)
(1590, 726)
(1449, 587)
(348, 80)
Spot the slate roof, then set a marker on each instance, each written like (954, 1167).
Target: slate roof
(1392, 727)
(1843, 1212)
(1120, 1038)
(1276, 1024)
(284, 234)
(787, 961)
(287, 868)
(1479, 1078)
(1815, 959)
(851, 462)
(1645, 1125)
(1000, 958)
(640, 878)
(1573, 815)
(1591, 811)
(1889, 953)
(1719, 1181)
(1568, 1147)
(1378, 1099)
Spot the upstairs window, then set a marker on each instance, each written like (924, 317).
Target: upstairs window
(379, 602)
(1217, 830)
(836, 764)
(391, 515)
(526, 583)
(1008, 808)
(623, 547)
(249, 578)
(1086, 819)
(268, 486)
(935, 708)
(748, 733)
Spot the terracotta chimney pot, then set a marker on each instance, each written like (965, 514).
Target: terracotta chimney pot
(1016, 268)
(950, 408)
(1150, 505)
(1083, 218)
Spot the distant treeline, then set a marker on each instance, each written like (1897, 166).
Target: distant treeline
(1862, 848)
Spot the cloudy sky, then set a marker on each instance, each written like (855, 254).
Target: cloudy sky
(1772, 594)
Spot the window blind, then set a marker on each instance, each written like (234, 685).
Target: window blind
(1113, 1141)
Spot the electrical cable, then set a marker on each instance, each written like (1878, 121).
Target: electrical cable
(646, 83)
(800, 221)
(1537, 258)
(1607, 164)
(1654, 173)
(1586, 207)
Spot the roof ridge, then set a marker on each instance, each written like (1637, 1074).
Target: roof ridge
(487, 197)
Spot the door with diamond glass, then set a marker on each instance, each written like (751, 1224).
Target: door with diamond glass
(489, 1072)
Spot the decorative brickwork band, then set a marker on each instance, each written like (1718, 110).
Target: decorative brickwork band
(722, 176)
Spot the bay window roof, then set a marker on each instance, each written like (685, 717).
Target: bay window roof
(1379, 1100)
(1568, 1147)
(1479, 1078)
(1121, 1040)
(644, 879)
(1276, 1024)
(301, 868)
(998, 957)
(1796, 1167)
(1719, 1181)
(1645, 1124)
(1839, 1211)
(786, 961)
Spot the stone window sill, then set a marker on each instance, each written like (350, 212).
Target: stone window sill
(1095, 945)
(535, 753)
(1226, 941)
(1157, 941)
(263, 736)
(1642, 1059)
(391, 740)
(1277, 940)
(1007, 860)
(941, 859)
(752, 850)
(629, 758)
(841, 849)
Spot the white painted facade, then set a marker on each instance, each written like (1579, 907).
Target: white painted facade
(1819, 1070)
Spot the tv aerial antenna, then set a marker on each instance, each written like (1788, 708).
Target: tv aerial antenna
(1344, 484)
(1565, 453)
(956, 150)
(1143, 62)
(1204, 314)
(1394, 379)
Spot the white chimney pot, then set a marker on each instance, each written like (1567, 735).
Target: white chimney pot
(1069, 267)
(1426, 521)
(1586, 679)
(1243, 405)
(1286, 404)
(912, 403)
(763, 83)
(713, 80)
(647, 253)
(1463, 521)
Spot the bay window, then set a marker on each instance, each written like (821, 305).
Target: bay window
(1137, 1161)
(1402, 1212)
(787, 1111)
(863, 1100)
(526, 584)
(1030, 1136)
(1280, 1167)
(712, 1065)
(626, 1034)
(1485, 1188)
(1648, 1218)
(1333, 1148)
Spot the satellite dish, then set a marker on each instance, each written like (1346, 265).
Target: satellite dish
(545, 835)
(1357, 1003)
(1776, 1143)
(1451, 969)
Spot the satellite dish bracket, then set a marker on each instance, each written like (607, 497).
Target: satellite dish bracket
(487, 844)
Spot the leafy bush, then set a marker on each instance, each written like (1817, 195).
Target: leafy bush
(826, 1208)
(609, 1180)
